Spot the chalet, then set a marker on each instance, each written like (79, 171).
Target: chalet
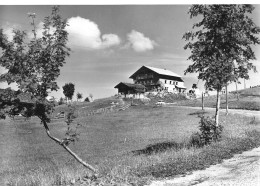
(152, 79)
(157, 79)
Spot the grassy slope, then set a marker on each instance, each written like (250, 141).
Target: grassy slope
(108, 140)
(249, 91)
(249, 99)
(88, 106)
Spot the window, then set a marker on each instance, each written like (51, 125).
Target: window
(176, 83)
(165, 81)
(170, 82)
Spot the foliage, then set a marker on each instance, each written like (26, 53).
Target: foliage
(79, 96)
(194, 86)
(195, 140)
(222, 49)
(68, 90)
(61, 101)
(161, 85)
(209, 132)
(34, 66)
(86, 99)
(34, 63)
(71, 132)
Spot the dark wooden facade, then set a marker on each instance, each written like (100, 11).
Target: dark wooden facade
(129, 88)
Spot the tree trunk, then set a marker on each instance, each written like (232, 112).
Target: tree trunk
(202, 99)
(217, 109)
(61, 142)
(237, 91)
(226, 101)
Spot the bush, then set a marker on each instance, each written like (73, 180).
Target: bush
(61, 101)
(195, 140)
(209, 132)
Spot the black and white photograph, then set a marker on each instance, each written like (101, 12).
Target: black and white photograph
(129, 93)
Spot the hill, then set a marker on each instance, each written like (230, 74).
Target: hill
(255, 91)
(249, 99)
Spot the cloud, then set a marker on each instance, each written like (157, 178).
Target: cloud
(139, 42)
(110, 40)
(85, 33)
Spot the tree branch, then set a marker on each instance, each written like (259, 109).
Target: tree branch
(60, 142)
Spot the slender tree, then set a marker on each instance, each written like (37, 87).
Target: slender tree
(61, 101)
(68, 90)
(79, 96)
(34, 63)
(220, 45)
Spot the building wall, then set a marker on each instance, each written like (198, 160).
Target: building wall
(170, 84)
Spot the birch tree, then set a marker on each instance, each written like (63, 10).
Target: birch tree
(221, 45)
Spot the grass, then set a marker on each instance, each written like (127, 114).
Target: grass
(188, 159)
(246, 102)
(129, 147)
(255, 91)
(88, 106)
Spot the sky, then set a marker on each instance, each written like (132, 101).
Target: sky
(110, 42)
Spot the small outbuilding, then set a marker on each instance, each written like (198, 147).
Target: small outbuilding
(130, 89)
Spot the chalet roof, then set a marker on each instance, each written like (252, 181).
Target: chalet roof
(162, 72)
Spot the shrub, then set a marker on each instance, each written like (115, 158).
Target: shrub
(86, 99)
(61, 101)
(195, 140)
(209, 132)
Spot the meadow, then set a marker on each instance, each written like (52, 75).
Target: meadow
(130, 147)
(249, 99)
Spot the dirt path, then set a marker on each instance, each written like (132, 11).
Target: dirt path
(242, 169)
